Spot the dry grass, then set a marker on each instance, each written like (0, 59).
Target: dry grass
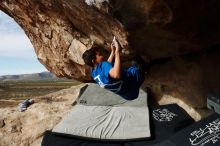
(19, 90)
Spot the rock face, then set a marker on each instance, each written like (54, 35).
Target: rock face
(180, 39)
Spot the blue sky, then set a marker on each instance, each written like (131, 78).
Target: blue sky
(17, 54)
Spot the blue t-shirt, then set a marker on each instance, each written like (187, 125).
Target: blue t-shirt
(123, 87)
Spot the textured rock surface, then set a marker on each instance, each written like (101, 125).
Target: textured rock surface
(27, 128)
(178, 37)
(2, 123)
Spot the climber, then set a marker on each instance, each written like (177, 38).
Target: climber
(111, 76)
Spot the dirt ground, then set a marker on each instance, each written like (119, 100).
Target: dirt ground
(27, 128)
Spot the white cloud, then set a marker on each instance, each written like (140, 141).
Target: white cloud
(17, 55)
(13, 41)
(16, 46)
(8, 25)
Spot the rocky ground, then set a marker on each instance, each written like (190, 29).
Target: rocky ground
(27, 128)
(196, 114)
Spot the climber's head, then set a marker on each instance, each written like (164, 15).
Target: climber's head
(93, 56)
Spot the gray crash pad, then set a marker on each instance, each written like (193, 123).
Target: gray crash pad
(114, 121)
(213, 102)
(106, 122)
(93, 94)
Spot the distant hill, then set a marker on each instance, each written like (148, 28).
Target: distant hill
(34, 76)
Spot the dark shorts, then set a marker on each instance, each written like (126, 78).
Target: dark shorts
(133, 77)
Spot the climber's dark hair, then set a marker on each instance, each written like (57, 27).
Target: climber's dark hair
(90, 54)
